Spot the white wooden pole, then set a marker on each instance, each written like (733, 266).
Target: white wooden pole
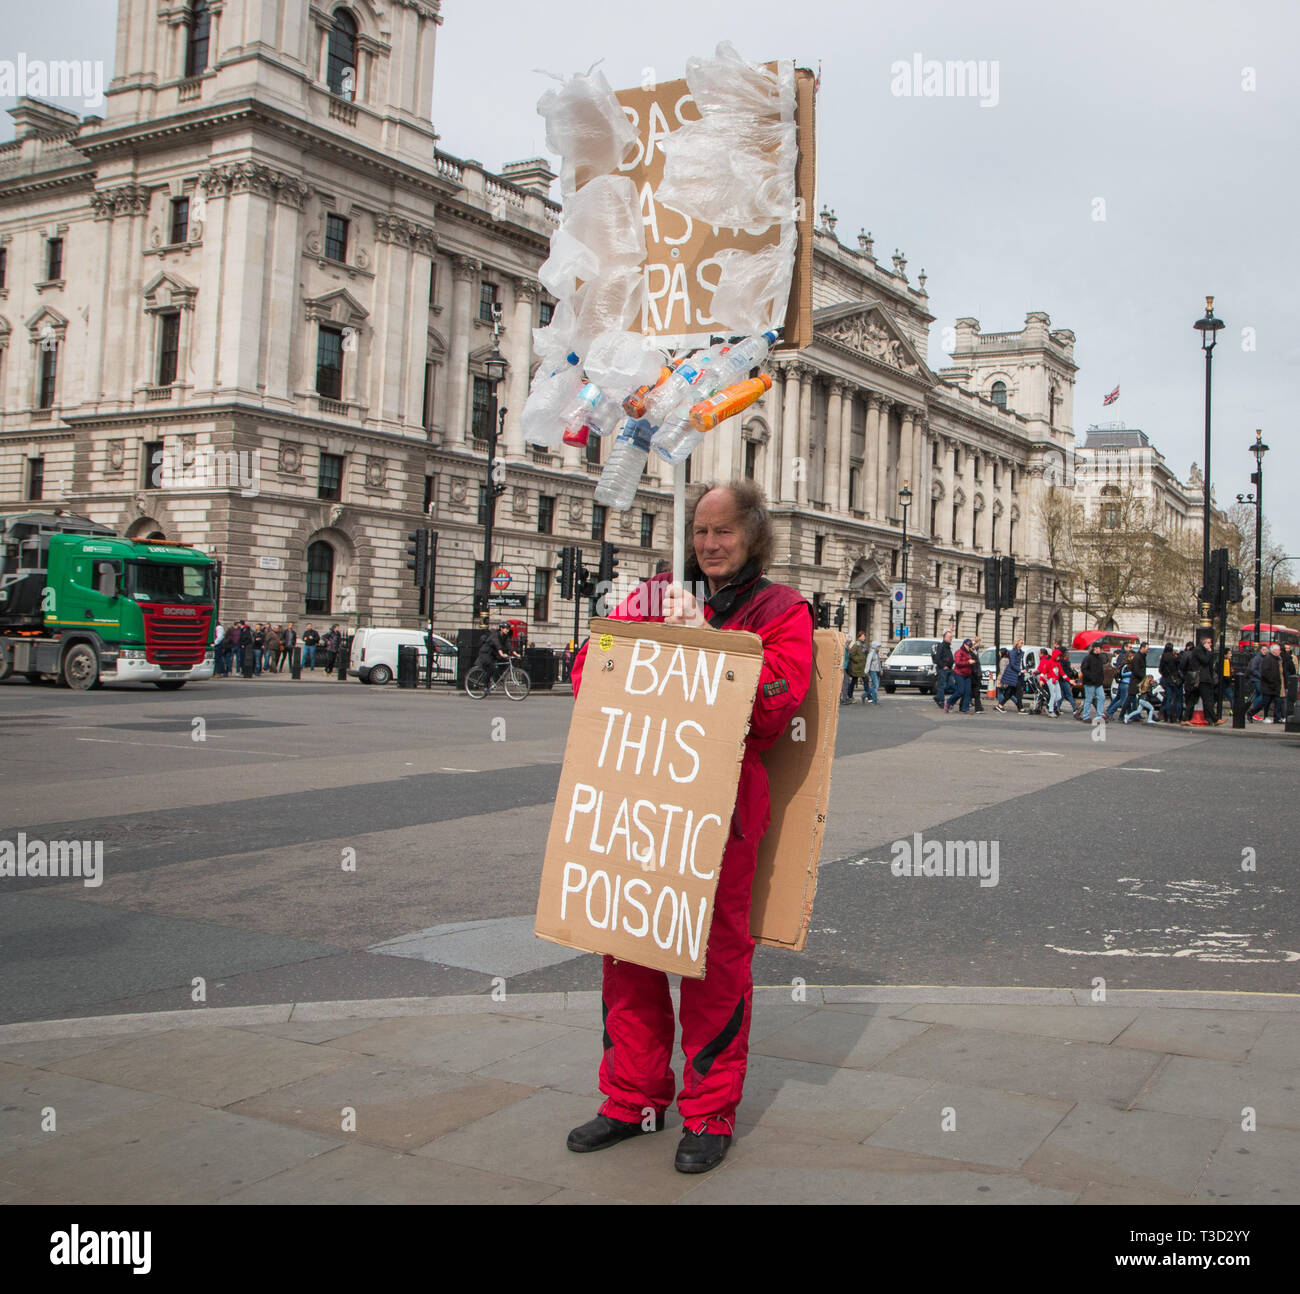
(679, 523)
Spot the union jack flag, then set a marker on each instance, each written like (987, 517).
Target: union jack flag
(1112, 397)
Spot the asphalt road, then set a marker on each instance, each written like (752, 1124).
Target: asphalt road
(270, 841)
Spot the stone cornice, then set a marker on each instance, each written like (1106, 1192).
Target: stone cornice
(406, 233)
(253, 177)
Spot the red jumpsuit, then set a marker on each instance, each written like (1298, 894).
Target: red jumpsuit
(636, 1070)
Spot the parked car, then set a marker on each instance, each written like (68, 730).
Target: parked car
(909, 665)
(374, 654)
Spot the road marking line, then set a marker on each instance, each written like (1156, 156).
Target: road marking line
(457, 770)
(171, 745)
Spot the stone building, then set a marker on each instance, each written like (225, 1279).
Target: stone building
(249, 309)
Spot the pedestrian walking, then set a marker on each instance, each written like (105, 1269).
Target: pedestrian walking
(273, 647)
(942, 656)
(247, 649)
(1093, 673)
(1142, 702)
(1271, 676)
(976, 676)
(1123, 678)
(1010, 679)
(962, 664)
(855, 666)
(872, 680)
(1064, 680)
(310, 641)
(1199, 680)
(1171, 681)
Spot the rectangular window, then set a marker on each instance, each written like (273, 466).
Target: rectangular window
(487, 297)
(428, 492)
(482, 505)
(593, 449)
(959, 579)
(751, 459)
(481, 415)
(4, 264)
(546, 514)
(329, 480)
(180, 221)
(433, 283)
(151, 465)
(544, 313)
(49, 374)
(35, 477)
(54, 259)
(647, 530)
(426, 408)
(542, 580)
(329, 363)
(336, 238)
(819, 549)
(169, 340)
(598, 516)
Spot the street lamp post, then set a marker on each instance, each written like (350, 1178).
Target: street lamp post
(905, 498)
(1259, 449)
(1208, 326)
(495, 366)
(1086, 617)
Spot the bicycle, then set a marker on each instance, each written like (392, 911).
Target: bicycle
(513, 680)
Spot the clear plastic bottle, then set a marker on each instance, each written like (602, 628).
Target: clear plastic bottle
(541, 421)
(594, 409)
(675, 441)
(618, 482)
(734, 366)
(661, 402)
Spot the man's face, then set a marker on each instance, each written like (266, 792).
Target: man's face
(719, 538)
(948, 636)
(1277, 651)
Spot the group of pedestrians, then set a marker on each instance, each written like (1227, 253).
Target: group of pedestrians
(1269, 672)
(253, 649)
(958, 676)
(862, 664)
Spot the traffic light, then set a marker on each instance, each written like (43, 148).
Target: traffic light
(1008, 583)
(1235, 591)
(417, 554)
(992, 583)
(839, 615)
(1218, 580)
(567, 571)
(823, 615)
(608, 564)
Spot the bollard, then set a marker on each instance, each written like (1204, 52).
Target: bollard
(295, 663)
(1239, 685)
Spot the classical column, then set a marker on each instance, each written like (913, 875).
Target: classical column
(871, 456)
(846, 502)
(905, 455)
(803, 449)
(831, 456)
(943, 514)
(918, 455)
(790, 431)
(519, 351)
(770, 455)
(464, 271)
(883, 512)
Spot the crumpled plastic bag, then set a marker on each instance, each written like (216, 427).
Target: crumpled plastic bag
(611, 303)
(551, 394)
(586, 127)
(601, 229)
(754, 287)
(735, 167)
(622, 361)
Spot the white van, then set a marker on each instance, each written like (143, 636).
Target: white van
(374, 654)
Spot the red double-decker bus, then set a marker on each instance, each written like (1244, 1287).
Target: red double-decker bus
(1253, 635)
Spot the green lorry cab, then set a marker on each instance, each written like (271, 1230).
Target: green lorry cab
(83, 606)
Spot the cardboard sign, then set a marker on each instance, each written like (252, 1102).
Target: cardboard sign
(643, 810)
(679, 269)
(799, 775)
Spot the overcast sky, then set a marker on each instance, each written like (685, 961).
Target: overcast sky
(1142, 105)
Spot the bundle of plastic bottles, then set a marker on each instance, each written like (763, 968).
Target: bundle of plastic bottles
(735, 167)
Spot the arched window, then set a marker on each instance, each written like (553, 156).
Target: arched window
(320, 578)
(196, 47)
(999, 394)
(341, 70)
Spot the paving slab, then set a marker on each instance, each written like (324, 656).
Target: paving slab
(74, 1104)
(527, 1140)
(1278, 1045)
(1097, 1024)
(1213, 1035)
(212, 1067)
(391, 1104)
(315, 1031)
(972, 1125)
(39, 1052)
(568, 1063)
(852, 1040)
(361, 1174)
(1221, 1090)
(1260, 1167)
(1057, 1068)
(170, 1153)
(1147, 1150)
(464, 1045)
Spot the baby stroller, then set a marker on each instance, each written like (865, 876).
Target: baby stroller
(1037, 698)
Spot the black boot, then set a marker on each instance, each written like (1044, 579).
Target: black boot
(603, 1131)
(697, 1152)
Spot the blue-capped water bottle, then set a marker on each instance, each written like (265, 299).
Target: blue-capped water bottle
(622, 475)
(594, 409)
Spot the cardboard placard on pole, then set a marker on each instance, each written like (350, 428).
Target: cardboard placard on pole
(646, 794)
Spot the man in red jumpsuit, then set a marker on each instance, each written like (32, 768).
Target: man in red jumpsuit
(731, 538)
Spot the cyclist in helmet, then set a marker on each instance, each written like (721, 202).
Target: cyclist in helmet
(496, 651)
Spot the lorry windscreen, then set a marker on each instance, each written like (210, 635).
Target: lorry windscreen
(176, 582)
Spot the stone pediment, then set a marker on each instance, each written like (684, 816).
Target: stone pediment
(339, 306)
(167, 291)
(867, 329)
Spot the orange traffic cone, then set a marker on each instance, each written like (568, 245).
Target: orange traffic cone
(1198, 717)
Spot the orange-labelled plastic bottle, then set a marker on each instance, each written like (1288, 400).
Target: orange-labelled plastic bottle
(726, 404)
